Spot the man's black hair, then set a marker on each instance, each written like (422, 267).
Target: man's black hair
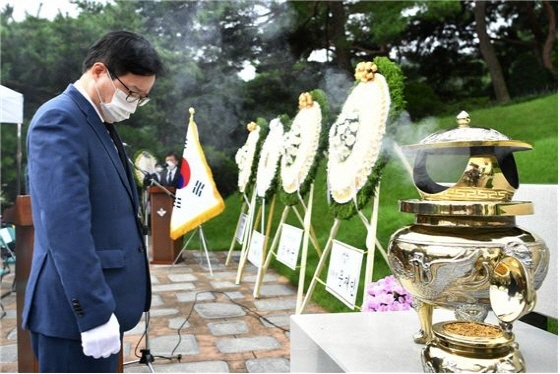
(174, 154)
(124, 52)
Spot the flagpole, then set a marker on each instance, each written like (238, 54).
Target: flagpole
(197, 199)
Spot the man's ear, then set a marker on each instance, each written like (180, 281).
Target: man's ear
(98, 69)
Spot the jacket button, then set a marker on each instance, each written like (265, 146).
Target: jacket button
(140, 249)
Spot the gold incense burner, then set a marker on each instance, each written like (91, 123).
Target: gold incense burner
(471, 350)
(464, 252)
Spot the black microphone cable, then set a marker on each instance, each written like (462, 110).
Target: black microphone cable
(250, 311)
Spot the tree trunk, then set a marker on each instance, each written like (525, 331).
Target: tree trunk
(550, 39)
(343, 57)
(489, 54)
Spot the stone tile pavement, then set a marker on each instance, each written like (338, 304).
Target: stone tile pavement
(200, 320)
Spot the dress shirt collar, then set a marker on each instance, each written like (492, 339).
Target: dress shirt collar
(82, 90)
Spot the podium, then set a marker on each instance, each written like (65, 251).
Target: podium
(24, 254)
(164, 249)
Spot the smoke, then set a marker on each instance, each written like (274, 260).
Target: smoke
(337, 85)
(203, 43)
(407, 133)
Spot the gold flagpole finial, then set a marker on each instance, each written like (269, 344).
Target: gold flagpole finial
(191, 111)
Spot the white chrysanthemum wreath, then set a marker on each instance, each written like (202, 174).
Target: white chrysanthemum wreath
(144, 162)
(245, 155)
(355, 138)
(269, 157)
(300, 144)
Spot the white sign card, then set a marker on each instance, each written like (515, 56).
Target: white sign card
(290, 242)
(5, 234)
(255, 254)
(343, 277)
(241, 228)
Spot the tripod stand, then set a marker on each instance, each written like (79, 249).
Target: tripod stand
(146, 357)
(202, 242)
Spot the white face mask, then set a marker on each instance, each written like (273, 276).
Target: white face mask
(170, 165)
(118, 109)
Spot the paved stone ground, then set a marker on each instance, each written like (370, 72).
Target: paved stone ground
(200, 320)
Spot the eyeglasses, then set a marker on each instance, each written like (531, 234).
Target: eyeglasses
(133, 96)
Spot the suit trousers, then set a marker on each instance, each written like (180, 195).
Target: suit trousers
(56, 355)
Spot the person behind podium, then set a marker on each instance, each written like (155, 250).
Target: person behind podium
(171, 176)
(89, 280)
(157, 176)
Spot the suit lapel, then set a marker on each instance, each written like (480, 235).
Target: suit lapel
(102, 133)
(111, 150)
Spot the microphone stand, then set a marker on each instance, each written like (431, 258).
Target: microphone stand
(147, 357)
(152, 181)
(144, 197)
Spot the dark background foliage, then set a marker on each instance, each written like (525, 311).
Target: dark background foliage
(206, 44)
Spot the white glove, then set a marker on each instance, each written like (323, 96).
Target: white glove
(104, 340)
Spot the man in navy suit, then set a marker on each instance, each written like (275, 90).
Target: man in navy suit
(89, 280)
(170, 177)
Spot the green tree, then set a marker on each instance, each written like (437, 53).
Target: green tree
(205, 44)
(489, 54)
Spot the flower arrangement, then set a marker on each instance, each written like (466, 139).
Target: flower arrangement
(300, 162)
(144, 161)
(365, 74)
(365, 71)
(355, 141)
(300, 144)
(269, 157)
(344, 136)
(245, 156)
(386, 295)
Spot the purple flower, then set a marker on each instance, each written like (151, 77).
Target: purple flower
(386, 294)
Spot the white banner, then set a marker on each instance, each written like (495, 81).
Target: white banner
(290, 243)
(255, 254)
(343, 277)
(241, 229)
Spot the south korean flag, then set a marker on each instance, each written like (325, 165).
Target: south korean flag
(197, 199)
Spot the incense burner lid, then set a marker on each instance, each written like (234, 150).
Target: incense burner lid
(466, 136)
(466, 164)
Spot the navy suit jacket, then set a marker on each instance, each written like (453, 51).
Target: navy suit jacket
(89, 257)
(174, 181)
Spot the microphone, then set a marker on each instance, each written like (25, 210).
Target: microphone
(137, 168)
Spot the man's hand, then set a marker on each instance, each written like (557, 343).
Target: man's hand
(104, 340)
